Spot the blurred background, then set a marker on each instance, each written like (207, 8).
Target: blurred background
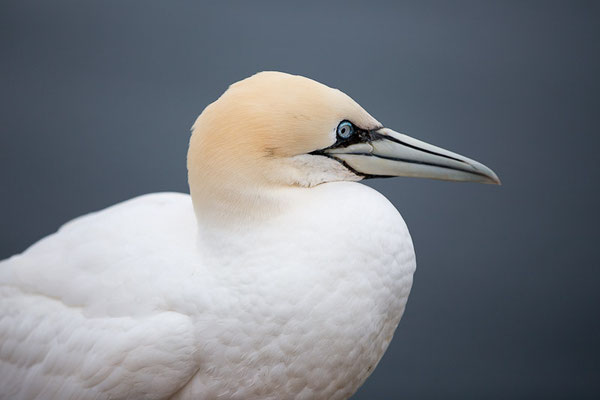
(97, 99)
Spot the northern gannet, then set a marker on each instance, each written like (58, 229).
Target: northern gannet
(280, 277)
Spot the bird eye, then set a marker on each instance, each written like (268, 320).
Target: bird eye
(345, 129)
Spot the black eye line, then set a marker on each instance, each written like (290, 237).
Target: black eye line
(359, 136)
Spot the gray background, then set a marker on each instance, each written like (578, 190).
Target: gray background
(97, 99)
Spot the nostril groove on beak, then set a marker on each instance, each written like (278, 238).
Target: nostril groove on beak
(393, 139)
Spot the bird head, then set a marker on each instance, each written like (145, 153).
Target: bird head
(273, 131)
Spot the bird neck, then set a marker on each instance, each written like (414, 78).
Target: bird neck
(238, 201)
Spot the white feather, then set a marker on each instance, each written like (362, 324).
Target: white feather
(135, 302)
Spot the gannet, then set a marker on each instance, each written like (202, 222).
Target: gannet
(278, 277)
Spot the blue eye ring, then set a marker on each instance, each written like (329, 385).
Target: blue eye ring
(345, 129)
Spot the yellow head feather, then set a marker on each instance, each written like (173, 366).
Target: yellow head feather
(241, 143)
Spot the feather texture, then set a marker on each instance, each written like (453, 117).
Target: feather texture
(135, 302)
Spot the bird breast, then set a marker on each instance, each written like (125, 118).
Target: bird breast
(307, 302)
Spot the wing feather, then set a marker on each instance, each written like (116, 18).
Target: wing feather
(88, 312)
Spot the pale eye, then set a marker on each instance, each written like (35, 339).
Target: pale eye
(345, 129)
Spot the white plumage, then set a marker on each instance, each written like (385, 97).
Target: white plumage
(278, 290)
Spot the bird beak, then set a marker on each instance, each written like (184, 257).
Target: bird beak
(384, 152)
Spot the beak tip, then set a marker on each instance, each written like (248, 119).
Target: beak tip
(494, 180)
(490, 176)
